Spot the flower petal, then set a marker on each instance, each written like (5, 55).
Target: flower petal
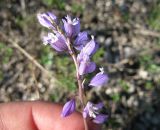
(81, 40)
(99, 105)
(46, 19)
(83, 60)
(95, 49)
(43, 21)
(101, 118)
(99, 80)
(57, 41)
(91, 66)
(82, 68)
(71, 27)
(87, 109)
(52, 16)
(90, 47)
(68, 108)
(85, 66)
(85, 113)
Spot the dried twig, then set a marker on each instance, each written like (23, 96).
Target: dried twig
(147, 32)
(23, 7)
(34, 61)
(14, 42)
(117, 65)
(36, 82)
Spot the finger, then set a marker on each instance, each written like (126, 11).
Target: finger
(16, 116)
(38, 116)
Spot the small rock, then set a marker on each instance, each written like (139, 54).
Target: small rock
(109, 91)
(143, 74)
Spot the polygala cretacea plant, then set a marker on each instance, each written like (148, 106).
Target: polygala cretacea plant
(65, 37)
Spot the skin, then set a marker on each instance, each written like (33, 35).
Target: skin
(39, 116)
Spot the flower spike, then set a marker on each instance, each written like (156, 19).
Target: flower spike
(81, 47)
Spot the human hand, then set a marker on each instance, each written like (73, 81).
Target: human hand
(39, 116)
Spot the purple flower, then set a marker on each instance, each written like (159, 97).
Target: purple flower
(71, 27)
(57, 41)
(101, 118)
(85, 66)
(47, 19)
(93, 111)
(81, 40)
(68, 108)
(91, 47)
(99, 80)
(95, 49)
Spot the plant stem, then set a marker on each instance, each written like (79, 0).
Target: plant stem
(79, 80)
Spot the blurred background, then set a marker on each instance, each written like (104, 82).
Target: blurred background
(128, 32)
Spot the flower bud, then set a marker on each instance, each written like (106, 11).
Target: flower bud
(68, 108)
(47, 19)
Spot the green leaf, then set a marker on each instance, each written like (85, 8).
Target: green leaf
(116, 97)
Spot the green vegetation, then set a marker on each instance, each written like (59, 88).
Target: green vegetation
(46, 56)
(147, 61)
(24, 22)
(113, 123)
(60, 4)
(77, 8)
(98, 55)
(65, 72)
(5, 56)
(68, 81)
(149, 85)
(1, 75)
(116, 97)
(7, 53)
(125, 16)
(154, 17)
(63, 66)
(124, 85)
(154, 68)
